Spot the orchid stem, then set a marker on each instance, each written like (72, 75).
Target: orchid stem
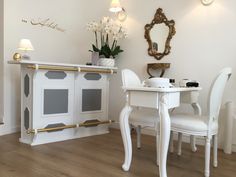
(107, 40)
(101, 39)
(113, 44)
(96, 37)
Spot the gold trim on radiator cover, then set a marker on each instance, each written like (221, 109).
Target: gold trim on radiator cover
(75, 69)
(89, 123)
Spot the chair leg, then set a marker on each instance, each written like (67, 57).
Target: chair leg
(138, 131)
(207, 156)
(193, 143)
(171, 146)
(180, 135)
(215, 147)
(157, 148)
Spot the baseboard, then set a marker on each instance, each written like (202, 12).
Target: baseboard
(234, 148)
(151, 132)
(115, 125)
(5, 130)
(15, 129)
(185, 138)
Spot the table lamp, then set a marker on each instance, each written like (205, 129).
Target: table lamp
(118, 10)
(115, 6)
(25, 45)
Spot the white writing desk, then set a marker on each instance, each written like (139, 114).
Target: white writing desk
(157, 98)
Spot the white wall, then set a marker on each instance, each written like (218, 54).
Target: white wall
(204, 43)
(50, 45)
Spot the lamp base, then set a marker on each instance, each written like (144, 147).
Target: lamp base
(25, 57)
(207, 2)
(122, 15)
(17, 57)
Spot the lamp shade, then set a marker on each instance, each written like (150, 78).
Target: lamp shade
(115, 6)
(25, 45)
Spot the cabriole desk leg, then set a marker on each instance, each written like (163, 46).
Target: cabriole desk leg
(125, 132)
(164, 133)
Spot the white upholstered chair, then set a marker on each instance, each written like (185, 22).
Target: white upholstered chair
(206, 126)
(140, 117)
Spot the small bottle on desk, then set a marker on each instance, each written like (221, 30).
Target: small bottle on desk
(172, 82)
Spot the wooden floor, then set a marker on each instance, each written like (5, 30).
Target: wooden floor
(101, 156)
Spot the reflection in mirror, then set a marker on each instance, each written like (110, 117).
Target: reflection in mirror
(159, 34)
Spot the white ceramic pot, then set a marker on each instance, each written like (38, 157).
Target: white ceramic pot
(106, 62)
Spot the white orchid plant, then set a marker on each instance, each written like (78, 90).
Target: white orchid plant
(107, 34)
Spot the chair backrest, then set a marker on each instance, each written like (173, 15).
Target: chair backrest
(216, 93)
(130, 79)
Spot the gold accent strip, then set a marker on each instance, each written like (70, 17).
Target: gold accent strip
(61, 68)
(40, 130)
(86, 124)
(92, 123)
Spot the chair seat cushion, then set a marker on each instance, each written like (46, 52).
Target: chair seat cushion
(144, 117)
(191, 124)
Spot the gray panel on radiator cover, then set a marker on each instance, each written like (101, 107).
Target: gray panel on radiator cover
(26, 85)
(92, 76)
(91, 100)
(55, 101)
(26, 118)
(55, 75)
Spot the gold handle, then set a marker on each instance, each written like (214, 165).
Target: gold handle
(74, 69)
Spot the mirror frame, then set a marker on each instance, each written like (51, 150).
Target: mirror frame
(159, 18)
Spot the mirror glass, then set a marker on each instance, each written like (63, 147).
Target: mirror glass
(159, 34)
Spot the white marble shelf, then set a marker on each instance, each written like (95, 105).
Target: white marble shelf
(25, 62)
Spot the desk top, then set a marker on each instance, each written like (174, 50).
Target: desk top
(30, 62)
(154, 89)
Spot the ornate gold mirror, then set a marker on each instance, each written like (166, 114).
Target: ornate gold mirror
(159, 34)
